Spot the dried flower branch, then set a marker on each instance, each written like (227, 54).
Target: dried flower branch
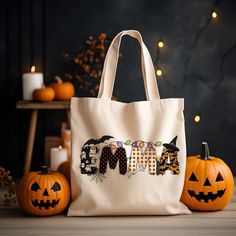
(86, 65)
(7, 184)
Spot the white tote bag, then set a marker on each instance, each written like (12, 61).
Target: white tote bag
(127, 158)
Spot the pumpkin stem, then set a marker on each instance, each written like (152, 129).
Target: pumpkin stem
(205, 151)
(44, 170)
(58, 79)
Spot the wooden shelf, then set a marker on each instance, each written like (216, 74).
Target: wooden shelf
(43, 105)
(35, 107)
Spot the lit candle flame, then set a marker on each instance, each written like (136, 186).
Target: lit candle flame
(60, 147)
(32, 69)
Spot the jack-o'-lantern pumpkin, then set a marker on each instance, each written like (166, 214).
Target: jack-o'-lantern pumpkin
(209, 182)
(43, 193)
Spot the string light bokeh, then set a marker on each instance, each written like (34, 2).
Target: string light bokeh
(159, 72)
(213, 15)
(160, 45)
(197, 118)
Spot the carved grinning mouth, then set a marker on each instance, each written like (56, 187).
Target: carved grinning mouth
(207, 197)
(45, 204)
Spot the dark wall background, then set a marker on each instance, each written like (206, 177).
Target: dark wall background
(39, 32)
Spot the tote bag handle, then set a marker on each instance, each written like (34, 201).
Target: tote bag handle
(110, 66)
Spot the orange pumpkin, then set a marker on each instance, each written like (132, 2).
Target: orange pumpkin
(44, 94)
(209, 183)
(43, 193)
(64, 168)
(63, 90)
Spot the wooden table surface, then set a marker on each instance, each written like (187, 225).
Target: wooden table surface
(43, 105)
(223, 223)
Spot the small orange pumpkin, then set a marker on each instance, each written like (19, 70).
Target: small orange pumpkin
(63, 90)
(43, 193)
(64, 168)
(209, 182)
(44, 94)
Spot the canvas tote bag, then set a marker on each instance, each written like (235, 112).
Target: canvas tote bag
(127, 158)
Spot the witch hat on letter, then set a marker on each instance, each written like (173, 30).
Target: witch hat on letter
(172, 144)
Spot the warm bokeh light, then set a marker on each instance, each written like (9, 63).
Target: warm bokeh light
(197, 118)
(160, 44)
(32, 69)
(159, 72)
(214, 14)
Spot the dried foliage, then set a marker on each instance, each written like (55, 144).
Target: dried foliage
(7, 185)
(86, 65)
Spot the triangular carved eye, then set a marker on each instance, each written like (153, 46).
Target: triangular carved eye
(207, 182)
(56, 187)
(193, 178)
(219, 177)
(35, 187)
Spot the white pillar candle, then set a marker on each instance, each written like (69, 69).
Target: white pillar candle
(57, 156)
(31, 81)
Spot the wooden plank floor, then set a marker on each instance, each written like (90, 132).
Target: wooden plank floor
(15, 222)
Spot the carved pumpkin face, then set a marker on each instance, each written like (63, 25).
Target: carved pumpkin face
(209, 183)
(43, 193)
